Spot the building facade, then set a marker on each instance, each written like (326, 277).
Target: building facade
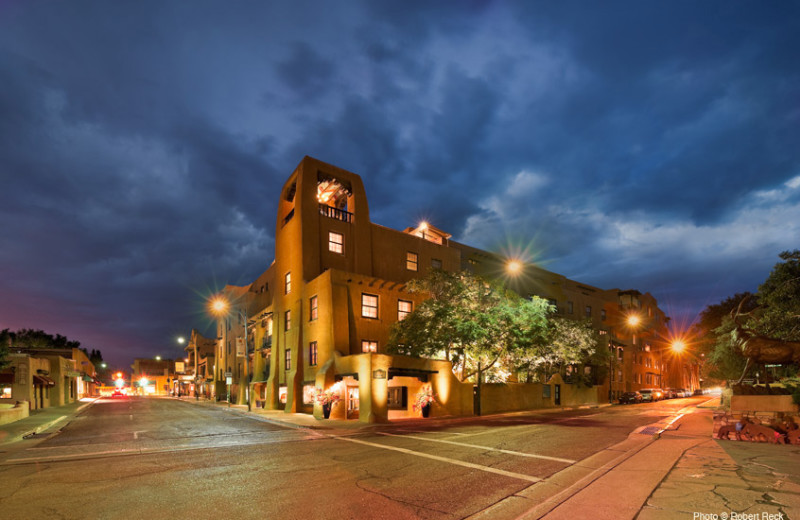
(320, 315)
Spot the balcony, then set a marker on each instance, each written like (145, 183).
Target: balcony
(335, 213)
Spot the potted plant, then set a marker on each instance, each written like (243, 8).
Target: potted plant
(423, 400)
(326, 399)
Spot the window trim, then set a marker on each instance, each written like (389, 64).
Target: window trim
(410, 262)
(402, 314)
(370, 343)
(313, 308)
(312, 354)
(332, 243)
(376, 307)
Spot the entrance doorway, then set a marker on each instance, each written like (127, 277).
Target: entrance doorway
(557, 396)
(352, 402)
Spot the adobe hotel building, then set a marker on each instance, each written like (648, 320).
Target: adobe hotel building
(320, 315)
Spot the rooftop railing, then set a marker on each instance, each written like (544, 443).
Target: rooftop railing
(335, 213)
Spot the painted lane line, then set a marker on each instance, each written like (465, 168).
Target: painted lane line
(510, 474)
(476, 446)
(443, 433)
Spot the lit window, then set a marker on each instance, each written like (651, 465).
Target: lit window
(287, 360)
(335, 242)
(404, 308)
(312, 353)
(314, 305)
(287, 322)
(369, 346)
(287, 283)
(5, 392)
(411, 261)
(436, 263)
(369, 305)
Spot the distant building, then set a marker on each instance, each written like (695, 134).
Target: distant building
(320, 315)
(152, 376)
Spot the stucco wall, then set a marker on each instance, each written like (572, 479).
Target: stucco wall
(512, 397)
(9, 412)
(762, 403)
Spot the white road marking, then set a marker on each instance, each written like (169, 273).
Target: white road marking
(510, 474)
(476, 446)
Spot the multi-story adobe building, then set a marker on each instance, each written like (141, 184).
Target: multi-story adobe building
(200, 362)
(320, 315)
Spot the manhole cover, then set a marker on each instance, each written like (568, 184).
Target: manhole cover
(649, 430)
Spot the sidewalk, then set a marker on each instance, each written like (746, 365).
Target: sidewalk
(41, 420)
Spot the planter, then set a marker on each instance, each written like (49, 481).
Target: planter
(426, 410)
(326, 410)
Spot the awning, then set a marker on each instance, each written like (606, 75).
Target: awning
(43, 380)
(87, 379)
(7, 378)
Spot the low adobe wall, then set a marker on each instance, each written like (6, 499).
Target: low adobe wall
(762, 403)
(513, 397)
(12, 412)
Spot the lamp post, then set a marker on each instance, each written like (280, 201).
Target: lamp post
(221, 307)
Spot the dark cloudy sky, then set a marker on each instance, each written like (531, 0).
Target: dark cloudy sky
(649, 145)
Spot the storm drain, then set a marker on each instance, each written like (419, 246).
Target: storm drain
(650, 430)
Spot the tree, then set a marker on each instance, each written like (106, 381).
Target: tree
(475, 323)
(5, 343)
(724, 359)
(779, 297)
(488, 331)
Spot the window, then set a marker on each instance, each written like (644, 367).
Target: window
(553, 302)
(570, 308)
(411, 261)
(648, 379)
(648, 362)
(603, 314)
(336, 242)
(369, 306)
(5, 392)
(435, 263)
(287, 321)
(312, 353)
(404, 308)
(287, 360)
(369, 346)
(588, 311)
(314, 306)
(287, 280)
(397, 398)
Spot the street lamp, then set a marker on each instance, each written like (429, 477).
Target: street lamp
(514, 267)
(220, 307)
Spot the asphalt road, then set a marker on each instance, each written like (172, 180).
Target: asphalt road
(163, 458)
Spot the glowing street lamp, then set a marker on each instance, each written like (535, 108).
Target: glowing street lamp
(514, 267)
(181, 340)
(678, 346)
(220, 307)
(633, 320)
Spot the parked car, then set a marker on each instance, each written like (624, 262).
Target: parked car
(670, 393)
(699, 391)
(630, 398)
(651, 394)
(683, 393)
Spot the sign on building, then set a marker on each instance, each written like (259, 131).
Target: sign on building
(240, 347)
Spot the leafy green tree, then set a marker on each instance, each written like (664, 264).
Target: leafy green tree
(779, 297)
(5, 343)
(487, 331)
(724, 359)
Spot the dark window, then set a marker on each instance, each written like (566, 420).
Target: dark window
(569, 308)
(588, 311)
(287, 360)
(436, 263)
(603, 315)
(398, 398)
(314, 306)
(369, 305)
(312, 353)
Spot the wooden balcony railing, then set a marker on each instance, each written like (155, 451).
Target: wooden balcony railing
(338, 214)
